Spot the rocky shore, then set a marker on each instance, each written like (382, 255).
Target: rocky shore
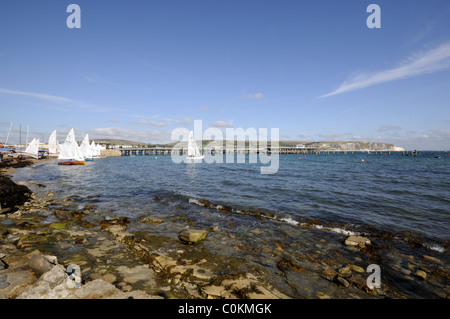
(44, 238)
(11, 194)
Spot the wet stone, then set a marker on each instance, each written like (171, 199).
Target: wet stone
(58, 226)
(192, 236)
(31, 239)
(343, 282)
(356, 268)
(345, 272)
(39, 264)
(329, 275)
(354, 240)
(433, 259)
(421, 274)
(151, 220)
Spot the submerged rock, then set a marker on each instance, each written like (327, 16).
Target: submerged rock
(192, 236)
(58, 226)
(31, 239)
(151, 220)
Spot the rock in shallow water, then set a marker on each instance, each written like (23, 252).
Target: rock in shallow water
(192, 236)
(354, 240)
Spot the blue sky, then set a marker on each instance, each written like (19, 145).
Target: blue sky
(139, 69)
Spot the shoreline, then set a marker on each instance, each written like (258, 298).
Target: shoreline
(131, 256)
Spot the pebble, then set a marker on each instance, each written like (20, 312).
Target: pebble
(405, 272)
(322, 295)
(329, 274)
(421, 274)
(343, 282)
(433, 259)
(356, 268)
(411, 267)
(345, 272)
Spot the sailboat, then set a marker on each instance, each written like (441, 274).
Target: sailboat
(95, 149)
(99, 150)
(194, 155)
(32, 148)
(86, 150)
(70, 152)
(53, 145)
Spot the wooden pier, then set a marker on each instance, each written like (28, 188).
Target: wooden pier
(149, 151)
(411, 153)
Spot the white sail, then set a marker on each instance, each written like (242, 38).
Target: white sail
(53, 144)
(33, 148)
(70, 149)
(85, 148)
(193, 151)
(98, 148)
(95, 149)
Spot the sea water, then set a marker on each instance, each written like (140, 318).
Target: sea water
(344, 193)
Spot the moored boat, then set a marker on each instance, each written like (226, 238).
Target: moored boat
(72, 163)
(32, 149)
(86, 149)
(70, 152)
(53, 145)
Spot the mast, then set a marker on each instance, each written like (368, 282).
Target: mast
(26, 141)
(6, 142)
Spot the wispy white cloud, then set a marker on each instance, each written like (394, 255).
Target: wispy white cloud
(60, 99)
(417, 64)
(151, 122)
(46, 97)
(185, 120)
(221, 124)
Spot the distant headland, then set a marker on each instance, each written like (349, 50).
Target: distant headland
(322, 146)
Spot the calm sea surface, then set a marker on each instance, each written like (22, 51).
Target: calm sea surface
(391, 193)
